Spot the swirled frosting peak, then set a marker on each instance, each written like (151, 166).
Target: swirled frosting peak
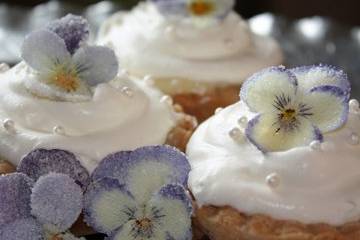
(149, 43)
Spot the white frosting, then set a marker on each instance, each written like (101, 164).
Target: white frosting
(147, 43)
(111, 121)
(314, 185)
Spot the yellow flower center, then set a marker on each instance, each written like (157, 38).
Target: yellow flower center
(67, 81)
(288, 115)
(144, 224)
(201, 7)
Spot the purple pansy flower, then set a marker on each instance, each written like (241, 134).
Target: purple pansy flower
(296, 106)
(140, 195)
(195, 8)
(65, 66)
(43, 200)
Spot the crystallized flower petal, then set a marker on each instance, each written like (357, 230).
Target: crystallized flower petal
(145, 170)
(329, 105)
(260, 90)
(15, 190)
(172, 7)
(265, 132)
(72, 29)
(107, 205)
(22, 229)
(42, 161)
(96, 64)
(56, 201)
(127, 232)
(172, 206)
(321, 75)
(43, 50)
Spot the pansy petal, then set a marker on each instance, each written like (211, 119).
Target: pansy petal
(72, 29)
(96, 64)
(108, 205)
(146, 169)
(22, 229)
(128, 232)
(56, 201)
(172, 208)
(15, 190)
(260, 91)
(266, 134)
(43, 50)
(42, 161)
(320, 75)
(329, 107)
(170, 8)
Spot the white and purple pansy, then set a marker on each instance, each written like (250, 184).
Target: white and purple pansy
(42, 200)
(141, 194)
(65, 67)
(296, 106)
(195, 8)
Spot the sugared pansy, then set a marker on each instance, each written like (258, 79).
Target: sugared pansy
(295, 107)
(43, 199)
(195, 8)
(64, 66)
(140, 194)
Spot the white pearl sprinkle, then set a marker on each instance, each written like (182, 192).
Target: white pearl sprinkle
(167, 99)
(315, 145)
(243, 121)
(354, 106)
(170, 31)
(218, 110)
(123, 72)
(127, 92)
(236, 134)
(9, 125)
(354, 139)
(273, 180)
(149, 80)
(4, 67)
(59, 130)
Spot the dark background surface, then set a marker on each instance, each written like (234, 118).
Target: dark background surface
(346, 11)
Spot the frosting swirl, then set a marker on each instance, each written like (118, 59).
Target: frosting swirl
(313, 185)
(146, 43)
(123, 114)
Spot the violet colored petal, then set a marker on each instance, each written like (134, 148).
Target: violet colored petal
(172, 209)
(146, 169)
(329, 107)
(96, 64)
(108, 205)
(56, 201)
(15, 192)
(44, 50)
(322, 74)
(42, 161)
(72, 29)
(260, 90)
(22, 229)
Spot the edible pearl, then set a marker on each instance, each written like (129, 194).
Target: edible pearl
(148, 79)
(127, 92)
(354, 106)
(243, 121)
(59, 130)
(123, 73)
(9, 125)
(315, 145)
(218, 110)
(273, 180)
(4, 67)
(236, 134)
(167, 99)
(354, 139)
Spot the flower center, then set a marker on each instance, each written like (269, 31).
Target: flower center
(142, 228)
(288, 115)
(201, 8)
(56, 237)
(66, 81)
